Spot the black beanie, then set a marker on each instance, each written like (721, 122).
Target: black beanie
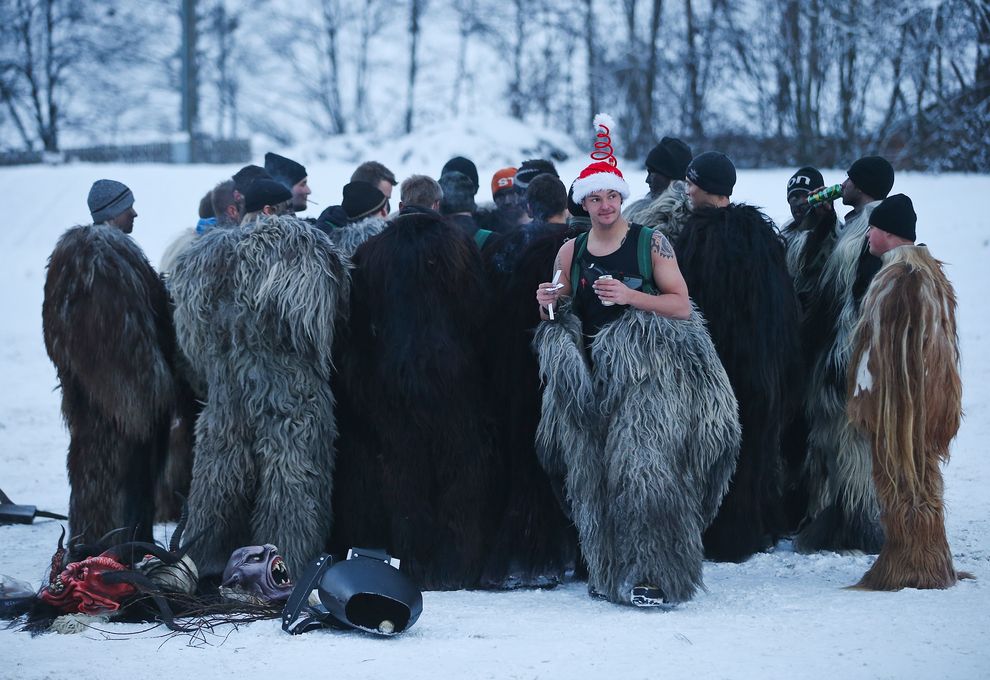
(575, 209)
(895, 215)
(670, 157)
(458, 193)
(530, 169)
(284, 170)
(465, 167)
(262, 192)
(243, 177)
(805, 179)
(361, 199)
(713, 172)
(873, 176)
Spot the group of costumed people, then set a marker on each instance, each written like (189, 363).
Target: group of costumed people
(692, 382)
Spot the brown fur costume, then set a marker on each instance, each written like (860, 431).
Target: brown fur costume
(109, 333)
(905, 395)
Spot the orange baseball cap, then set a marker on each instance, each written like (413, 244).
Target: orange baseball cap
(503, 179)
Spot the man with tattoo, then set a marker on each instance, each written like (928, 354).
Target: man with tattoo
(638, 416)
(734, 263)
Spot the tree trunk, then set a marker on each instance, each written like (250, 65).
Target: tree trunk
(589, 40)
(692, 110)
(415, 8)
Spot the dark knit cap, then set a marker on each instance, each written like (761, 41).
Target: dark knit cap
(670, 158)
(464, 166)
(895, 215)
(284, 170)
(243, 177)
(531, 169)
(805, 179)
(361, 199)
(575, 209)
(458, 193)
(262, 192)
(107, 199)
(713, 172)
(873, 176)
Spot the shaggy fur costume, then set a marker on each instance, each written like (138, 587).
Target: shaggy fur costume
(906, 396)
(842, 511)
(348, 237)
(668, 212)
(415, 461)
(733, 262)
(535, 541)
(109, 333)
(647, 440)
(255, 314)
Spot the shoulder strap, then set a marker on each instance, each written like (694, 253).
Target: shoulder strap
(481, 236)
(580, 245)
(645, 257)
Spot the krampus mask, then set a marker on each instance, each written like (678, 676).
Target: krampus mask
(256, 574)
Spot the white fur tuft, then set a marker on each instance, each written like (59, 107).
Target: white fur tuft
(606, 120)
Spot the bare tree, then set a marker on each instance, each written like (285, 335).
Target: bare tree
(416, 9)
(372, 17)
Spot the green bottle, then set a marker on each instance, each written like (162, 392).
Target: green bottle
(826, 195)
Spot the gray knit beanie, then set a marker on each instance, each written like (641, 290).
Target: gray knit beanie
(107, 199)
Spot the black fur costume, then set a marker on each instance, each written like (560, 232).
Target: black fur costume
(109, 333)
(415, 461)
(734, 264)
(535, 541)
(842, 512)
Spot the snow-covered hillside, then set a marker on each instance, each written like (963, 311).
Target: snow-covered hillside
(779, 615)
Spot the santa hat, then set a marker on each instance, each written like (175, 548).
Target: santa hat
(602, 174)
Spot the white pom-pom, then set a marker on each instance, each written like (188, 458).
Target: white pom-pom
(606, 120)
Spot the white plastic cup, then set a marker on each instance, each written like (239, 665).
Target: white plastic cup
(606, 303)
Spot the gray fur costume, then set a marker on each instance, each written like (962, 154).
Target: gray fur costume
(255, 313)
(667, 212)
(647, 441)
(348, 237)
(108, 331)
(843, 513)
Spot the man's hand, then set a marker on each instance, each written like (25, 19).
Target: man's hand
(548, 293)
(614, 291)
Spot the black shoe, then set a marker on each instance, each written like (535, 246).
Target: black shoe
(647, 596)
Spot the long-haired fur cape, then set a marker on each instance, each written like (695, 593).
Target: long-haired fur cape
(905, 394)
(733, 262)
(647, 440)
(108, 331)
(256, 309)
(668, 212)
(415, 455)
(842, 509)
(535, 541)
(348, 237)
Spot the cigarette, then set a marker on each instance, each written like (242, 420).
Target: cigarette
(556, 286)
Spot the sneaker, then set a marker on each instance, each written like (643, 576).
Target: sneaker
(646, 596)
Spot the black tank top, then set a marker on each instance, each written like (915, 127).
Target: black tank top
(623, 264)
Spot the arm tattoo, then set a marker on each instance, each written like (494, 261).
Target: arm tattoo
(661, 245)
(557, 264)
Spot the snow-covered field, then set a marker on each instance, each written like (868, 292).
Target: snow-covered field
(779, 615)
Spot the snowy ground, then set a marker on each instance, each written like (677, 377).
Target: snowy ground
(779, 615)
